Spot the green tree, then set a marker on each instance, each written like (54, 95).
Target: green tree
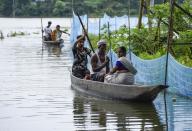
(58, 8)
(6, 8)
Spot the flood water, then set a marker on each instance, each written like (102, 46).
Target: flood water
(36, 94)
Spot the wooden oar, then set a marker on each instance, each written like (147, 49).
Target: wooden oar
(66, 33)
(85, 33)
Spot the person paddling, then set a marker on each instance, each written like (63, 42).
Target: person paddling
(57, 33)
(80, 53)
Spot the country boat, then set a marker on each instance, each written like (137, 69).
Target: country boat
(53, 43)
(136, 92)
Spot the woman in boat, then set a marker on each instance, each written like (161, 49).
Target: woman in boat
(80, 53)
(123, 72)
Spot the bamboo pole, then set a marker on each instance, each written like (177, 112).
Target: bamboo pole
(149, 4)
(99, 28)
(86, 33)
(110, 45)
(181, 44)
(140, 14)
(42, 32)
(169, 43)
(170, 36)
(115, 26)
(87, 23)
(129, 28)
(184, 11)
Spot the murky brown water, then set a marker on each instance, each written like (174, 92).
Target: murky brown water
(35, 91)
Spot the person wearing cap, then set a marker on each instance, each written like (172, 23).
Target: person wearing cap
(57, 33)
(80, 53)
(47, 30)
(100, 62)
(123, 72)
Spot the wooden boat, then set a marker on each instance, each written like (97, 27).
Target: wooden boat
(53, 43)
(142, 93)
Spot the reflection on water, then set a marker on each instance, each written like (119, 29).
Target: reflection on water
(53, 50)
(91, 114)
(179, 111)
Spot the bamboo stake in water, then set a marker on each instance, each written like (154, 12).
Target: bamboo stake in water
(169, 42)
(99, 28)
(110, 46)
(129, 28)
(42, 32)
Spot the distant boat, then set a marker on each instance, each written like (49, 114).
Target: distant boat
(54, 43)
(140, 93)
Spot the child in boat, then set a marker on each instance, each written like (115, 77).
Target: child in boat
(123, 72)
(57, 33)
(80, 53)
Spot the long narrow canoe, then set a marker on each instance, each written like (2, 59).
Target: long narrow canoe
(53, 43)
(141, 93)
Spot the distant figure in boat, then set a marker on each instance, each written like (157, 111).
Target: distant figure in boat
(1, 35)
(80, 53)
(100, 62)
(57, 33)
(123, 72)
(47, 30)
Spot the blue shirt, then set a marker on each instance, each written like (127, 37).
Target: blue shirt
(120, 66)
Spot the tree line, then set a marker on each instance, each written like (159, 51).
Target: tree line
(63, 8)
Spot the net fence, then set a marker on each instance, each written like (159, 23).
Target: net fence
(149, 71)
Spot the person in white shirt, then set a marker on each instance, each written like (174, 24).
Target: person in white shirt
(100, 62)
(48, 31)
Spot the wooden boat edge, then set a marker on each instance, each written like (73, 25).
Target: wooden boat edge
(147, 96)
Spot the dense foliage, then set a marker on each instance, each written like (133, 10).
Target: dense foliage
(150, 43)
(63, 8)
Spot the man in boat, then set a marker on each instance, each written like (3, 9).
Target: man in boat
(123, 72)
(47, 30)
(57, 33)
(100, 62)
(80, 53)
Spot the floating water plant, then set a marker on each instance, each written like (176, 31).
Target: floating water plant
(14, 34)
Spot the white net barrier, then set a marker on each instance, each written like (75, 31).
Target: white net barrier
(149, 71)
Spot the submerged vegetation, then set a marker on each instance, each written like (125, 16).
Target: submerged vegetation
(14, 34)
(151, 42)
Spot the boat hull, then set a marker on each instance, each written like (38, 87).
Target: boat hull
(53, 43)
(141, 93)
